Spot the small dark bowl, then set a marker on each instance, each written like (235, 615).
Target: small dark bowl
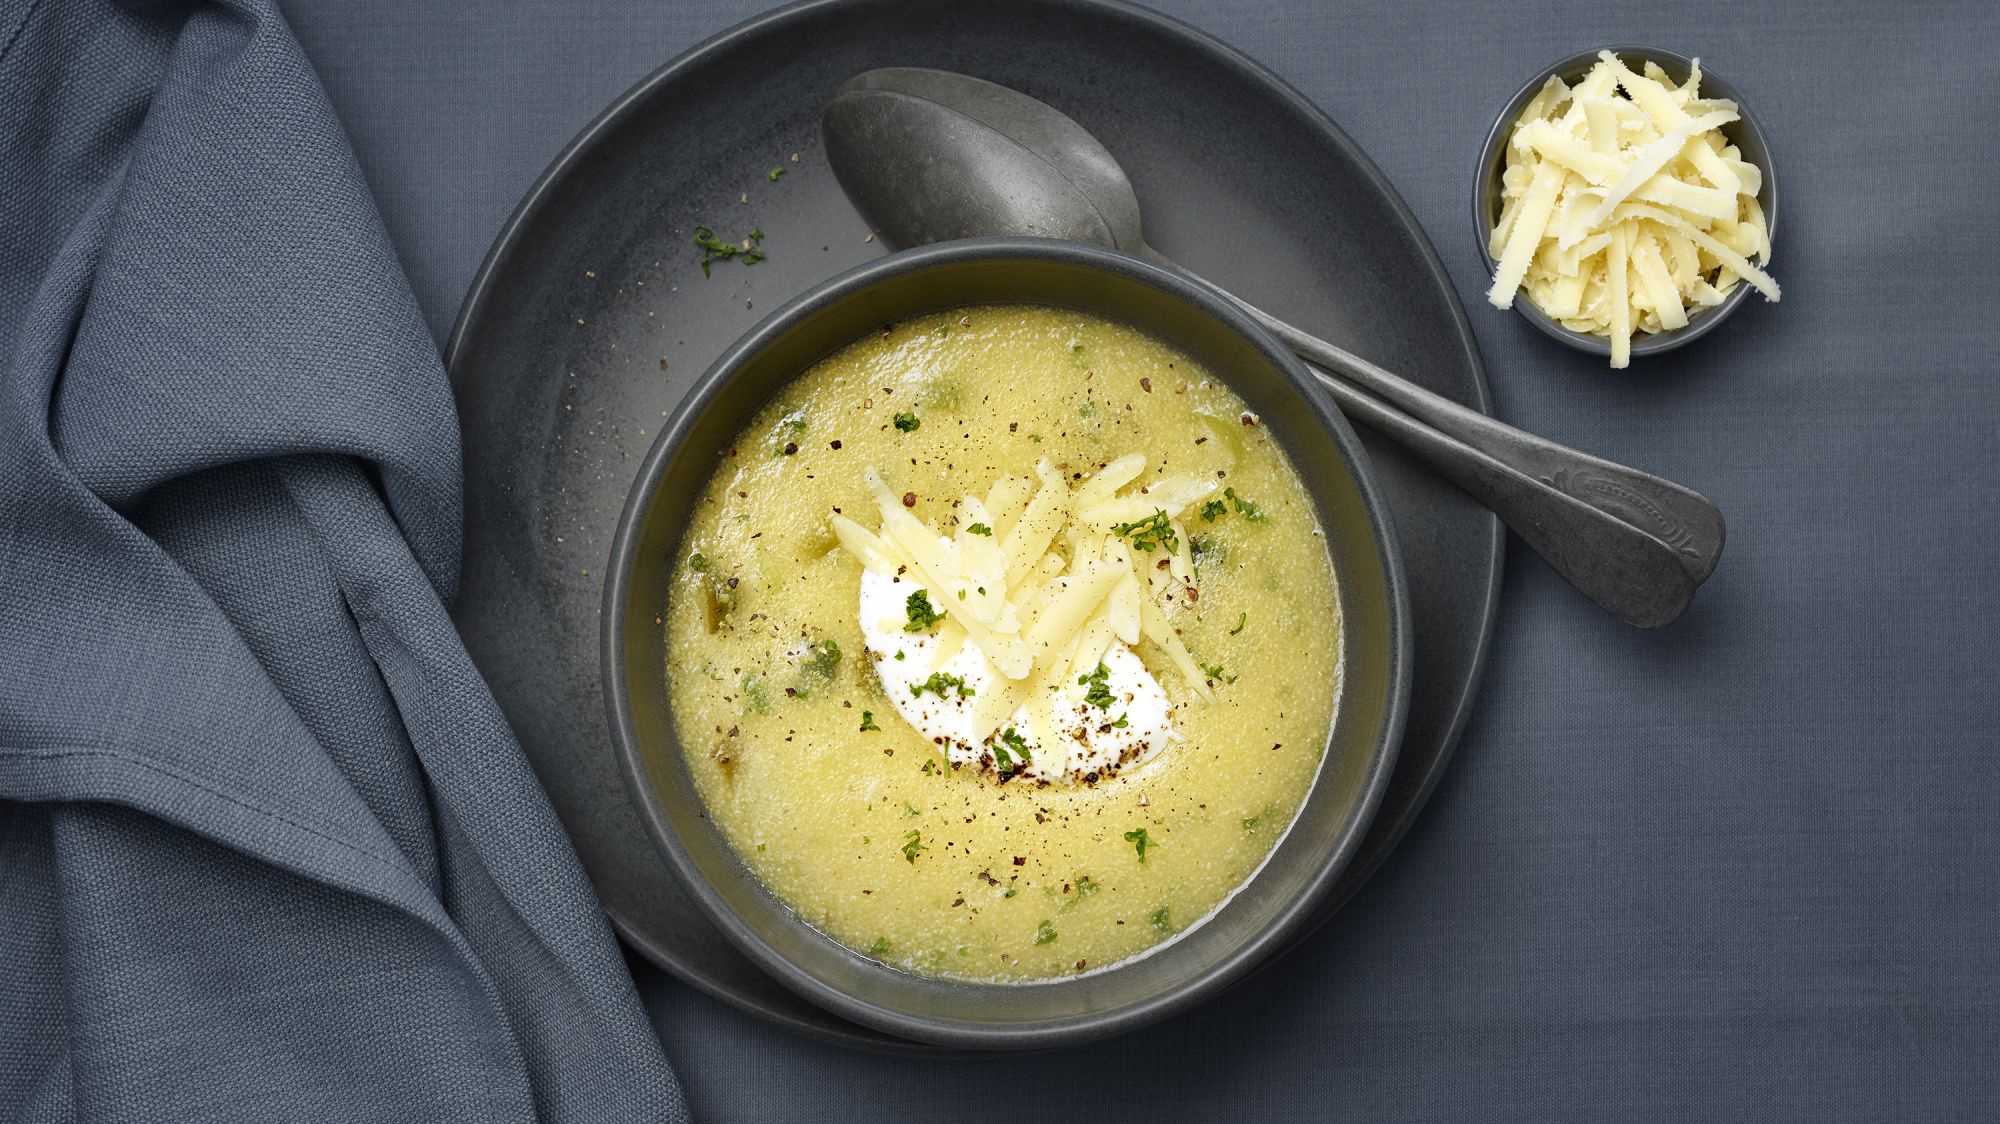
(1375, 644)
(1744, 133)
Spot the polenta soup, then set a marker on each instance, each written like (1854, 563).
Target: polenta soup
(1004, 644)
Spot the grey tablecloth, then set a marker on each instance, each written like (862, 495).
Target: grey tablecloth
(1745, 868)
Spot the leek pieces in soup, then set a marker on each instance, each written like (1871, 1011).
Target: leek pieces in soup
(1003, 644)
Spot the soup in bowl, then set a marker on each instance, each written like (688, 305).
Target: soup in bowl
(1006, 643)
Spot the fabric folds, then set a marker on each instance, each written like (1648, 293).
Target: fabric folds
(268, 850)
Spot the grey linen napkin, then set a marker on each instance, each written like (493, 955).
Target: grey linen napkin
(267, 848)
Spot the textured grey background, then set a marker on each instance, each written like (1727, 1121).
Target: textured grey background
(1747, 867)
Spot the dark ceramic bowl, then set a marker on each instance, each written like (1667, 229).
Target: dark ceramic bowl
(1744, 133)
(1361, 747)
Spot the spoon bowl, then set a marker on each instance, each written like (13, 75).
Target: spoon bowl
(983, 160)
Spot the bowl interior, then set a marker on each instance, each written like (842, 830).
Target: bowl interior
(1361, 744)
(1744, 133)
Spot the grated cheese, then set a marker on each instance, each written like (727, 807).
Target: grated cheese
(1053, 591)
(1624, 214)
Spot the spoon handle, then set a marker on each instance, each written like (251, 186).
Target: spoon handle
(1637, 577)
(1679, 517)
(1635, 544)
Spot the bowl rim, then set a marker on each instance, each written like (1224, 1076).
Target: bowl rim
(1059, 1030)
(1488, 171)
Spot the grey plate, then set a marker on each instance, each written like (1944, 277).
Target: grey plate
(556, 358)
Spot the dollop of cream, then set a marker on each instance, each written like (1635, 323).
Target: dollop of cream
(1068, 739)
(1009, 640)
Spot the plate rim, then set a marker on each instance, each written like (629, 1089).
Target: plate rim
(532, 204)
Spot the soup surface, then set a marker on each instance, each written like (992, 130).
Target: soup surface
(855, 748)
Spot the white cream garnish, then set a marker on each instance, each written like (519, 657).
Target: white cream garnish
(990, 641)
(1072, 739)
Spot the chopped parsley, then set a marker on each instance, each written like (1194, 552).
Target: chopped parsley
(1214, 671)
(754, 694)
(942, 393)
(698, 562)
(1010, 891)
(1045, 932)
(1099, 695)
(1141, 840)
(943, 686)
(1241, 618)
(1085, 886)
(1250, 822)
(1087, 410)
(824, 662)
(913, 841)
(1160, 919)
(1151, 533)
(880, 947)
(908, 422)
(868, 721)
(1207, 550)
(1244, 507)
(1011, 746)
(775, 173)
(751, 249)
(980, 529)
(1213, 510)
(1122, 722)
(922, 616)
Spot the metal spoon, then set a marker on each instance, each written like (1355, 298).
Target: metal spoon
(928, 155)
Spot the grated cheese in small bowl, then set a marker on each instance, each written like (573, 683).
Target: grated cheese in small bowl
(1620, 205)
